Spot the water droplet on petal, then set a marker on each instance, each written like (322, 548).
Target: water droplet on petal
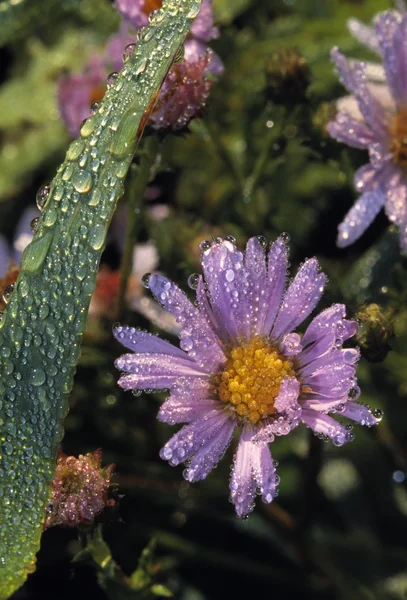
(145, 280)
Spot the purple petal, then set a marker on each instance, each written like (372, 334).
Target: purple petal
(276, 278)
(291, 344)
(396, 198)
(359, 413)
(350, 131)
(379, 154)
(175, 410)
(354, 79)
(193, 436)
(289, 412)
(391, 35)
(327, 426)
(242, 483)
(141, 341)
(197, 338)
(202, 27)
(360, 216)
(365, 34)
(317, 349)
(188, 402)
(288, 395)
(364, 177)
(264, 473)
(300, 299)
(226, 278)
(146, 365)
(156, 371)
(4, 256)
(330, 320)
(255, 264)
(208, 456)
(133, 11)
(23, 234)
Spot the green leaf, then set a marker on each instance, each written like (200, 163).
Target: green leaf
(42, 327)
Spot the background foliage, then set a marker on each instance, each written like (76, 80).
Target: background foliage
(259, 162)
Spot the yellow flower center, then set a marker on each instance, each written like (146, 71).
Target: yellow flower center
(252, 378)
(398, 132)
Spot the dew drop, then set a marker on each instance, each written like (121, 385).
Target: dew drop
(82, 181)
(42, 196)
(262, 241)
(8, 292)
(193, 281)
(34, 224)
(111, 79)
(231, 239)
(37, 376)
(145, 280)
(97, 236)
(128, 51)
(204, 246)
(94, 107)
(377, 413)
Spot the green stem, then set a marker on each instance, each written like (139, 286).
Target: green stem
(138, 179)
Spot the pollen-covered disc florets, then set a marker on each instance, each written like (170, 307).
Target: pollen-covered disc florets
(252, 379)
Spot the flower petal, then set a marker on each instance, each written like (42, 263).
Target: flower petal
(141, 341)
(300, 298)
(193, 436)
(326, 426)
(391, 33)
(360, 413)
(197, 337)
(277, 264)
(156, 371)
(289, 412)
(396, 198)
(354, 79)
(332, 319)
(360, 216)
(208, 456)
(264, 472)
(242, 483)
(347, 129)
(365, 34)
(235, 285)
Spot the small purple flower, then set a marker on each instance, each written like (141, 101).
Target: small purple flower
(137, 11)
(375, 118)
(240, 365)
(185, 90)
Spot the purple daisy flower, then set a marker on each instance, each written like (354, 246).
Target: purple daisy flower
(375, 118)
(240, 365)
(137, 11)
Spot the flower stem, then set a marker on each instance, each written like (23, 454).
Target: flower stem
(138, 179)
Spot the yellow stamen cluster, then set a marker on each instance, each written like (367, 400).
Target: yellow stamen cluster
(252, 378)
(398, 132)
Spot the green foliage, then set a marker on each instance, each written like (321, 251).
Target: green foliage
(41, 329)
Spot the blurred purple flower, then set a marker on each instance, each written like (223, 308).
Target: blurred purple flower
(137, 11)
(22, 237)
(240, 365)
(185, 90)
(375, 118)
